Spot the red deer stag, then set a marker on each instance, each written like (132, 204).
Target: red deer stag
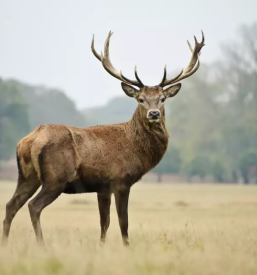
(103, 159)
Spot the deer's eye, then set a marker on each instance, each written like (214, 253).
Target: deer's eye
(141, 100)
(163, 99)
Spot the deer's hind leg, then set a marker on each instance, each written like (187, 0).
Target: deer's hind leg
(45, 197)
(56, 171)
(25, 190)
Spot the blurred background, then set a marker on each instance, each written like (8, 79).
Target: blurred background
(49, 75)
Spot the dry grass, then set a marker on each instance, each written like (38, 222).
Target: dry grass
(174, 229)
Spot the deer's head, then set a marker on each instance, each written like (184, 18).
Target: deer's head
(150, 98)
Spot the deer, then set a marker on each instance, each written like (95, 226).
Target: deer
(106, 159)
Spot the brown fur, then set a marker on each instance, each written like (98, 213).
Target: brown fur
(104, 159)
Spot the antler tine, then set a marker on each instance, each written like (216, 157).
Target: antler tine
(106, 62)
(98, 56)
(131, 82)
(164, 75)
(192, 67)
(189, 45)
(196, 42)
(166, 82)
(137, 83)
(202, 38)
(137, 77)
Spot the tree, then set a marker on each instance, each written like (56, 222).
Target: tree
(248, 161)
(215, 115)
(198, 166)
(239, 66)
(47, 105)
(217, 170)
(13, 119)
(24, 107)
(170, 164)
(117, 110)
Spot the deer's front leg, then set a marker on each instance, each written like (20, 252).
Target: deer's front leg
(104, 202)
(121, 200)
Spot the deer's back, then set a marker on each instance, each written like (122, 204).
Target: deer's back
(98, 157)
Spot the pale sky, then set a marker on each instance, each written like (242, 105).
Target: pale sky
(48, 41)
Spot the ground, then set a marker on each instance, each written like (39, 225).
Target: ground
(174, 229)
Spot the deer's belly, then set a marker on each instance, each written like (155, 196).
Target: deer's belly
(79, 186)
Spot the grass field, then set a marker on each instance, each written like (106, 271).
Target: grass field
(174, 229)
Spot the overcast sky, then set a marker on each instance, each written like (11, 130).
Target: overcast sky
(48, 41)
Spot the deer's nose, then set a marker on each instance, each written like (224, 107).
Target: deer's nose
(154, 114)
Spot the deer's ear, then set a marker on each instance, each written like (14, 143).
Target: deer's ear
(172, 91)
(129, 90)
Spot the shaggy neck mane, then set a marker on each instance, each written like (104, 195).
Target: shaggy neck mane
(151, 138)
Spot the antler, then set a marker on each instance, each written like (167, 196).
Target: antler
(106, 62)
(190, 69)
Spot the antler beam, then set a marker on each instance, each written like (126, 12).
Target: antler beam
(106, 62)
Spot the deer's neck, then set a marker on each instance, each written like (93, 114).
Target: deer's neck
(151, 138)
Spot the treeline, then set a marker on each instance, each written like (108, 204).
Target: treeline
(23, 107)
(212, 121)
